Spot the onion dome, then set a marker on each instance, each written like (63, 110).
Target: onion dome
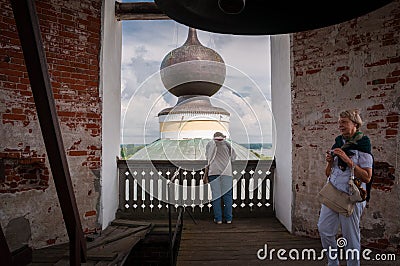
(194, 105)
(193, 69)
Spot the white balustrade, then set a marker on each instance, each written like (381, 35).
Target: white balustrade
(146, 188)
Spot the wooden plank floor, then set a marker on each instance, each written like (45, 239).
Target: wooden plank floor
(206, 243)
(110, 248)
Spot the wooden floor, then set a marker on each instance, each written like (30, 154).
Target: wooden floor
(110, 248)
(206, 243)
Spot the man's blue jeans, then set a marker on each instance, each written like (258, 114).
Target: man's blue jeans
(221, 187)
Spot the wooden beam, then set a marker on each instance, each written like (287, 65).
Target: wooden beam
(138, 11)
(5, 253)
(28, 29)
(22, 256)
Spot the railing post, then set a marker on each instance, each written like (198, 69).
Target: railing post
(122, 168)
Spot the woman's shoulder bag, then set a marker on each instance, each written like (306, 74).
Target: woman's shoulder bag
(340, 201)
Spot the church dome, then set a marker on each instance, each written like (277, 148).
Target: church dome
(186, 149)
(193, 69)
(194, 104)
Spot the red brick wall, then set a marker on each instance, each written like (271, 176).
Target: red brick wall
(355, 64)
(71, 33)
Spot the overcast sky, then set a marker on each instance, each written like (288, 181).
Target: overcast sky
(245, 94)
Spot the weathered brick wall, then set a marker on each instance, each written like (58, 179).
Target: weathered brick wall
(351, 65)
(71, 32)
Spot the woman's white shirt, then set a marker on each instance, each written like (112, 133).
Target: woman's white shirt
(340, 179)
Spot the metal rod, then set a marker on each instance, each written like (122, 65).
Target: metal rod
(171, 260)
(171, 244)
(178, 224)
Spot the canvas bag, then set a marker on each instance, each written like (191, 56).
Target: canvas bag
(340, 201)
(335, 199)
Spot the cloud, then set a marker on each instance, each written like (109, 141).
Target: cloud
(251, 120)
(135, 71)
(140, 118)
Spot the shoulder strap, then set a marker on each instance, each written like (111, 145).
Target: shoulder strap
(229, 147)
(369, 184)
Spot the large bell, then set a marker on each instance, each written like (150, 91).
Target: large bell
(264, 17)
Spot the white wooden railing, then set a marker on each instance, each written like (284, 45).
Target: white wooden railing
(144, 189)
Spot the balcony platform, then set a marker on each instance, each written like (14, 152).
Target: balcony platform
(203, 243)
(111, 247)
(207, 243)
